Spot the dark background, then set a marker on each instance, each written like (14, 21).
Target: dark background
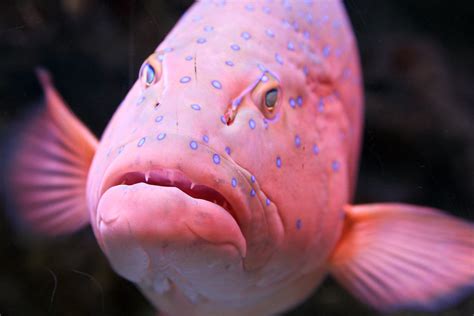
(418, 69)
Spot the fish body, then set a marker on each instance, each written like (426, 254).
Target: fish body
(222, 184)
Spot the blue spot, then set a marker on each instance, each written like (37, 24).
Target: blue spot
(335, 165)
(234, 182)
(216, 84)
(278, 162)
(267, 10)
(193, 145)
(346, 73)
(216, 158)
(297, 141)
(265, 123)
(223, 120)
(208, 28)
(326, 50)
(161, 57)
(141, 142)
(205, 138)
(227, 150)
(249, 7)
(120, 149)
(252, 124)
(229, 63)
(252, 192)
(305, 70)
(245, 35)
(267, 201)
(299, 101)
(237, 101)
(296, 26)
(321, 105)
(201, 40)
(185, 79)
(161, 136)
(140, 100)
(188, 58)
(299, 224)
(291, 46)
(159, 118)
(278, 59)
(196, 106)
(306, 35)
(315, 149)
(168, 49)
(269, 33)
(264, 78)
(252, 178)
(261, 67)
(292, 103)
(235, 47)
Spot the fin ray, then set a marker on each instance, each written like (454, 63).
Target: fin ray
(396, 256)
(49, 166)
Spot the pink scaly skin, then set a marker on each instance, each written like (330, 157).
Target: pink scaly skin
(192, 257)
(222, 184)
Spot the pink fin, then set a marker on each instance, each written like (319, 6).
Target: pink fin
(48, 168)
(395, 256)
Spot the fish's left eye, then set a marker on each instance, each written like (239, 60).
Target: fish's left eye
(150, 71)
(266, 95)
(271, 98)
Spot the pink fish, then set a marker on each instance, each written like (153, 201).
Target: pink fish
(222, 184)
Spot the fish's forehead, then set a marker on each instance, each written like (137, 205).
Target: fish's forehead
(234, 46)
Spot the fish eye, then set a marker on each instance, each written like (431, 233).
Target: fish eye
(150, 71)
(266, 94)
(271, 98)
(148, 75)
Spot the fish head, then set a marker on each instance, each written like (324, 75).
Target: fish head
(219, 162)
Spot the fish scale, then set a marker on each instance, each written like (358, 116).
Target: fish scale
(222, 185)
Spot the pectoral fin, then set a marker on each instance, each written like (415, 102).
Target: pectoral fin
(48, 167)
(395, 256)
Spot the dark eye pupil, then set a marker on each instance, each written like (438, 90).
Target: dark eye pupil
(271, 98)
(149, 73)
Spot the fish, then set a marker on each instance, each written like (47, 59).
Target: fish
(223, 183)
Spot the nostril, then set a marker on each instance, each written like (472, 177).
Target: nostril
(229, 116)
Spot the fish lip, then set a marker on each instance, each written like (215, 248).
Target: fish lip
(169, 177)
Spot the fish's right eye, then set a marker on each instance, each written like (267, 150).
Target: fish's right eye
(150, 71)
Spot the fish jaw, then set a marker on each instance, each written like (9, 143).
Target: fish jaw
(146, 227)
(149, 189)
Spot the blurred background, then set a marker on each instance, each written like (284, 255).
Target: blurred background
(418, 69)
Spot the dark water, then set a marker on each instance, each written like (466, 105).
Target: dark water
(419, 139)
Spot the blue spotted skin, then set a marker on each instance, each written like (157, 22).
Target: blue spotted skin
(289, 168)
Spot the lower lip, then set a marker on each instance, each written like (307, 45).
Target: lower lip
(156, 213)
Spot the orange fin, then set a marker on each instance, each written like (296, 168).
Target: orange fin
(48, 166)
(395, 256)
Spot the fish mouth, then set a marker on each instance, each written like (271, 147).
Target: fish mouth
(223, 187)
(176, 178)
